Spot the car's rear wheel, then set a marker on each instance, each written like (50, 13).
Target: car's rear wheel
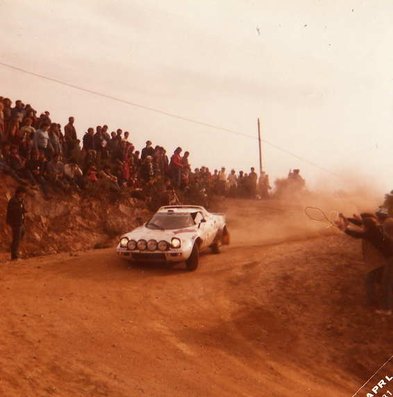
(215, 247)
(193, 261)
(222, 238)
(225, 236)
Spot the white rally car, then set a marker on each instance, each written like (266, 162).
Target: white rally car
(176, 233)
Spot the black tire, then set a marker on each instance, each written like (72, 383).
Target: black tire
(225, 238)
(193, 261)
(222, 238)
(215, 247)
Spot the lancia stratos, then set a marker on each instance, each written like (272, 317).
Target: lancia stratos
(177, 233)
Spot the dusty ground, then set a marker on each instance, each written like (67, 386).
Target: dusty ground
(279, 313)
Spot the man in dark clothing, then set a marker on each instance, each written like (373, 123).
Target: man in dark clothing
(88, 140)
(70, 136)
(375, 234)
(148, 150)
(16, 219)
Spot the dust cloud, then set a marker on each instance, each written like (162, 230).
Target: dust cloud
(260, 222)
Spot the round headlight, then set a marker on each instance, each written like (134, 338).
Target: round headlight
(152, 245)
(163, 245)
(175, 243)
(141, 244)
(124, 242)
(131, 245)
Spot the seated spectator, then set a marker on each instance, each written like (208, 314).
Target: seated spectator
(109, 180)
(76, 154)
(55, 173)
(74, 175)
(17, 164)
(91, 175)
(147, 169)
(7, 170)
(37, 167)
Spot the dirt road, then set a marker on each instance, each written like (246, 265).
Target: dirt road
(279, 313)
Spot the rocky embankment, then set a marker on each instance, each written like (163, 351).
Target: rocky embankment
(70, 222)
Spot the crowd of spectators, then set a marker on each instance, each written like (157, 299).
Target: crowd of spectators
(39, 153)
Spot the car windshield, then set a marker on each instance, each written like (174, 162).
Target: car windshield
(170, 221)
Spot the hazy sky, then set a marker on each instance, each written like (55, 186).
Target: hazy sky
(318, 73)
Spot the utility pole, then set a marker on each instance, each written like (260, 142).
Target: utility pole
(260, 147)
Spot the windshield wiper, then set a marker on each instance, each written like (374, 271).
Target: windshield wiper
(155, 225)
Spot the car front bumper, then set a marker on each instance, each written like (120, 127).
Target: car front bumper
(154, 256)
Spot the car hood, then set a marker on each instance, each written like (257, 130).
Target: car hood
(143, 232)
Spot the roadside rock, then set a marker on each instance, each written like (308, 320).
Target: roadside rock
(67, 223)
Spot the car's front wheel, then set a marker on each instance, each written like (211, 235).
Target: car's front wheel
(193, 261)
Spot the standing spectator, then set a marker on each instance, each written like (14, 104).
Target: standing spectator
(88, 140)
(186, 169)
(41, 139)
(147, 150)
(7, 111)
(232, 183)
(27, 130)
(18, 112)
(13, 129)
(387, 275)
(105, 133)
(222, 181)
(124, 146)
(176, 166)
(252, 182)
(264, 185)
(137, 162)
(16, 220)
(2, 126)
(114, 146)
(241, 184)
(98, 139)
(54, 138)
(70, 135)
(104, 144)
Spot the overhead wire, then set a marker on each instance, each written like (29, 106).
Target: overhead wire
(165, 113)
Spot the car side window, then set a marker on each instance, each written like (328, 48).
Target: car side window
(198, 218)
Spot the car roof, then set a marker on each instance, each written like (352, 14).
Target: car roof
(181, 209)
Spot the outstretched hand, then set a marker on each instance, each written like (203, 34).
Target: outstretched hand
(342, 222)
